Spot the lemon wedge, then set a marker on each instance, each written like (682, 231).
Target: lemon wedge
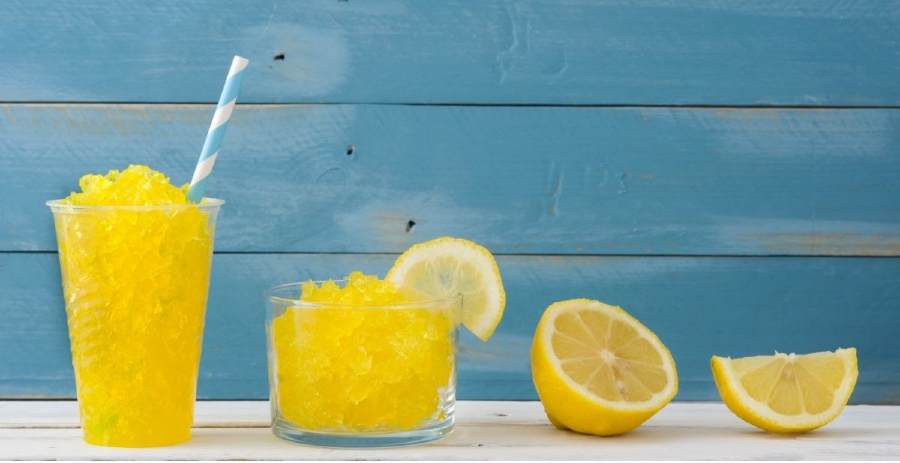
(448, 267)
(598, 370)
(787, 393)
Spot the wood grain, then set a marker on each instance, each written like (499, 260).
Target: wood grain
(462, 51)
(484, 431)
(699, 306)
(690, 139)
(520, 180)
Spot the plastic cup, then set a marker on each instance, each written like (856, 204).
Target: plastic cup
(345, 375)
(135, 280)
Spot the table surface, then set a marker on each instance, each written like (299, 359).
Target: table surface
(485, 430)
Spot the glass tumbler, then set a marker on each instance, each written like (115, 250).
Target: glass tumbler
(135, 281)
(360, 375)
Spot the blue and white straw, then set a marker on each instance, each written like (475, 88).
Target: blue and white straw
(217, 128)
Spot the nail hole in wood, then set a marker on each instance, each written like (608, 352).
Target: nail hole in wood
(278, 57)
(350, 149)
(410, 225)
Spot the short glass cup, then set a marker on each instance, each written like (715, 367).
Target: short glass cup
(343, 375)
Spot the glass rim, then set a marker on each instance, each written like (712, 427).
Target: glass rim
(56, 205)
(427, 303)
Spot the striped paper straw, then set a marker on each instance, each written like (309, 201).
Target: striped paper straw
(217, 128)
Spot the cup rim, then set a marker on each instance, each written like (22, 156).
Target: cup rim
(438, 303)
(56, 205)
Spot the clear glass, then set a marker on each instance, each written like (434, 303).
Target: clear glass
(360, 375)
(135, 280)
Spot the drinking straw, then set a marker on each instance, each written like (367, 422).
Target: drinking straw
(217, 128)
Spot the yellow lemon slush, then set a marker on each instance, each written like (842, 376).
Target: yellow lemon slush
(362, 358)
(135, 257)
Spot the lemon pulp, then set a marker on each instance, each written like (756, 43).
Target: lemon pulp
(598, 370)
(787, 392)
(135, 285)
(347, 361)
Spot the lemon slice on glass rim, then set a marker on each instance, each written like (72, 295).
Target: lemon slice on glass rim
(449, 267)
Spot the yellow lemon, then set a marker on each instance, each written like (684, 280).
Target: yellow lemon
(787, 393)
(448, 267)
(598, 370)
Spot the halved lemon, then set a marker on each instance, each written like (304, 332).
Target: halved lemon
(598, 370)
(447, 267)
(787, 393)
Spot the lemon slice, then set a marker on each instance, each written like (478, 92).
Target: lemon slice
(787, 392)
(448, 267)
(598, 370)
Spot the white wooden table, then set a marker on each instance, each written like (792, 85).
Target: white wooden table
(485, 430)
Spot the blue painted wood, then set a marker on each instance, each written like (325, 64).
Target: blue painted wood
(697, 305)
(520, 180)
(472, 51)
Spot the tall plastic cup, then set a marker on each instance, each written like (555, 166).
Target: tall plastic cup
(135, 280)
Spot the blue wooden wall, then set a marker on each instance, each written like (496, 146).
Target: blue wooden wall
(729, 172)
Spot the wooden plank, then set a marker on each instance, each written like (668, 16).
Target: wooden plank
(37, 414)
(698, 306)
(519, 180)
(244, 413)
(463, 51)
(484, 431)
